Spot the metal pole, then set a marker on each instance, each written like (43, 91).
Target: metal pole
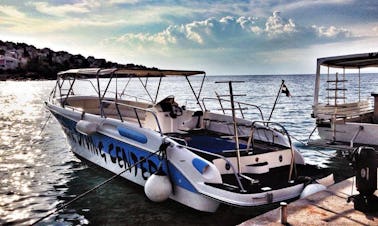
(336, 88)
(220, 102)
(145, 89)
(99, 92)
(235, 127)
(158, 89)
(283, 212)
(275, 102)
(200, 90)
(359, 84)
(328, 86)
(344, 98)
(124, 88)
(194, 93)
(317, 84)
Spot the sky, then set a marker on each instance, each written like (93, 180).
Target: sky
(219, 37)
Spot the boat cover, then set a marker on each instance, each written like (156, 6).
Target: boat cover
(124, 72)
(351, 61)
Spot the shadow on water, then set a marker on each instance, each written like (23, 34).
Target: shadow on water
(336, 161)
(124, 203)
(340, 166)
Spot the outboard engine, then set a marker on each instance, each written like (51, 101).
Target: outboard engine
(365, 163)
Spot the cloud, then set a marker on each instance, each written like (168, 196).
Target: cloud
(123, 1)
(11, 11)
(61, 10)
(241, 33)
(331, 32)
(197, 34)
(276, 26)
(303, 4)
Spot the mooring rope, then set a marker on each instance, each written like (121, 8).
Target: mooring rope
(94, 188)
(44, 125)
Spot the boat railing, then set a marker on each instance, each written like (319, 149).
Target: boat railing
(74, 109)
(251, 139)
(136, 98)
(342, 110)
(135, 109)
(64, 90)
(241, 106)
(234, 171)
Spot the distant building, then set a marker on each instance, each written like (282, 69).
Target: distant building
(7, 62)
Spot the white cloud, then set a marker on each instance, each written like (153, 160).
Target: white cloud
(123, 1)
(331, 32)
(61, 10)
(11, 11)
(302, 4)
(242, 33)
(276, 26)
(243, 43)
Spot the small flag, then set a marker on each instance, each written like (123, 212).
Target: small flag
(285, 90)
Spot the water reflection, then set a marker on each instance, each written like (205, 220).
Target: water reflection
(27, 163)
(124, 203)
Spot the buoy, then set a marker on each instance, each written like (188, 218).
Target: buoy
(158, 187)
(312, 189)
(86, 127)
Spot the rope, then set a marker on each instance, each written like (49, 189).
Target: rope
(305, 144)
(94, 188)
(44, 125)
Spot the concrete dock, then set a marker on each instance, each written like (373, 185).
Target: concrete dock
(328, 207)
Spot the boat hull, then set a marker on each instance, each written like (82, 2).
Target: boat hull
(363, 133)
(117, 150)
(117, 156)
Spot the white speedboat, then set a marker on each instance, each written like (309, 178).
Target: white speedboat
(340, 122)
(196, 157)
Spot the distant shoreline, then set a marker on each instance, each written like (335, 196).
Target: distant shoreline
(23, 77)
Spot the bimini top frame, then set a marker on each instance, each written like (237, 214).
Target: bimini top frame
(124, 73)
(98, 73)
(354, 61)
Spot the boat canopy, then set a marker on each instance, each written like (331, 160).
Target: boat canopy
(351, 61)
(124, 72)
(114, 73)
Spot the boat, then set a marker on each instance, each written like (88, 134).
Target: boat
(197, 157)
(342, 123)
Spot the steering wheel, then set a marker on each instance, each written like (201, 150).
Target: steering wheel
(175, 111)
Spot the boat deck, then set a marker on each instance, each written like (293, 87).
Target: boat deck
(276, 178)
(223, 144)
(273, 178)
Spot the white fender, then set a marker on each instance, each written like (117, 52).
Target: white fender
(158, 187)
(312, 189)
(86, 127)
(326, 181)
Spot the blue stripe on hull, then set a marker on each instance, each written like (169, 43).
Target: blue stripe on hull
(121, 154)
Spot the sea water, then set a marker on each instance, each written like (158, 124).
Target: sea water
(39, 173)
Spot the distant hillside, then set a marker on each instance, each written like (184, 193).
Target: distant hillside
(22, 61)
